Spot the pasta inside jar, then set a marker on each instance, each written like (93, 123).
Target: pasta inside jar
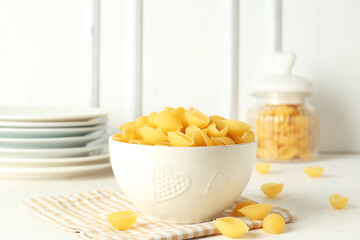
(285, 132)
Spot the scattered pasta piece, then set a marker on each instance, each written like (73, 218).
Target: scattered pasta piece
(314, 171)
(256, 211)
(262, 168)
(272, 189)
(231, 227)
(235, 212)
(153, 136)
(273, 223)
(122, 220)
(338, 201)
(178, 139)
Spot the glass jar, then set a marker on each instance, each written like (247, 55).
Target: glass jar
(286, 123)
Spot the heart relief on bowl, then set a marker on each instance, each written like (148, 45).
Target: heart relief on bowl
(182, 166)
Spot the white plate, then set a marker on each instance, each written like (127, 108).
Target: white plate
(61, 142)
(47, 132)
(47, 162)
(48, 114)
(52, 172)
(89, 123)
(50, 152)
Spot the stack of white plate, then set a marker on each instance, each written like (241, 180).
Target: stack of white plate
(50, 142)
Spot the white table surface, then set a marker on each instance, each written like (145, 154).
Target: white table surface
(308, 197)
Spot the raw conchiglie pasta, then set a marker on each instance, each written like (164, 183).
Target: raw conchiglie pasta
(122, 220)
(272, 189)
(248, 136)
(256, 211)
(127, 125)
(231, 227)
(215, 133)
(226, 140)
(235, 128)
(178, 139)
(153, 136)
(168, 121)
(273, 223)
(338, 201)
(180, 127)
(287, 153)
(180, 113)
(235, 212)
(152, 119)
(217, 142)
(197, 118)
(262, 168)
(291, 130)
(127, 133)
(198, 136)
(214, 118)
(141, 121)
(314, 171)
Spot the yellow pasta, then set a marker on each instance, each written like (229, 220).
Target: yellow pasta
(284, 132)
(181, 127)
(168, 121)
(226, 140)
(152, 119)
(231, 227)
(197, 118)
(215, 133)
(214, 118)
(178, 139)
(141, 121)
(248, 136)
(195, 133)
(256, 211)
(235, 128)
(122, 220)
(153, 136)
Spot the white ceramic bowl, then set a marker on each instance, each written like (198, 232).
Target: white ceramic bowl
(182, 184)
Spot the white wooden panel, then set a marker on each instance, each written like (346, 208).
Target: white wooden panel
(326, 35)
(41, 52)
(254, 45)
(187, 55)
(114, 89)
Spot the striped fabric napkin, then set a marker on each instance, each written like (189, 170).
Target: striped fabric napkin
(84, 215)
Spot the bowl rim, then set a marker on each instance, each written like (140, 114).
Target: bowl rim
(195, 147)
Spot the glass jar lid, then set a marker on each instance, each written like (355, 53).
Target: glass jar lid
(282, 81)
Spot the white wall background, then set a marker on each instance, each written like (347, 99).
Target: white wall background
(186, 56)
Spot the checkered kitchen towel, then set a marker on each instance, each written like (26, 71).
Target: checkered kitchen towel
(84, 215)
